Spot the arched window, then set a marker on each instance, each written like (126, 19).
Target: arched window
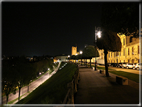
(131, 39)
(124, 41)
(132, 50)
(138, 49)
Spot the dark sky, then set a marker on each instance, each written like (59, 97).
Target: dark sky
(48, 28)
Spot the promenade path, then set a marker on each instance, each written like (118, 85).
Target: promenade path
(96, 88)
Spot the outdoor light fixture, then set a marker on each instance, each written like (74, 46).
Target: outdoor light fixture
(97, 35)
(81, 56)
(80, 52)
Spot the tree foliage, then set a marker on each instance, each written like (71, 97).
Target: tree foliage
(109, 41)
(90, 51)
(19, 72)
(121, 17)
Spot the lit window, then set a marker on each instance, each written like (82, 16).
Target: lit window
(123, 52)
(124, 41)
(132, 50)
(138, 49)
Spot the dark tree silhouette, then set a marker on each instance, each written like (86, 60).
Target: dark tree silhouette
(121, 17)
(109, 41)
(73, 57)
(89, 52)
(8, 81)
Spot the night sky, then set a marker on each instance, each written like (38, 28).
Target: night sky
(48, 28)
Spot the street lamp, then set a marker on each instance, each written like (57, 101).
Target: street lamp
(97, 35)
(81, 56)
(80, 52)
(68, 57)
(76, 57)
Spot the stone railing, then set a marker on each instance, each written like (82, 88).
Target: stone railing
(72, 89)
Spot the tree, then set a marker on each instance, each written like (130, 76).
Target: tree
(22, 75)
(8, 81)
(29, 74)
(121, 17)
(79, 56)
(89, 52)
(73, 57)
(109, 41)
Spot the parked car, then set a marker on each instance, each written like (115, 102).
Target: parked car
(113, 64)
(109, 64)
(119, 65)
(134, 64)
(129, 65)
(138, 66)
(124, 65)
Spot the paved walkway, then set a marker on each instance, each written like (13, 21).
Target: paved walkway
(96, 88)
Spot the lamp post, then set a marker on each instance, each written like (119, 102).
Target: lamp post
(81, 56)
(76, 57)
(97, 35)
(69, 57)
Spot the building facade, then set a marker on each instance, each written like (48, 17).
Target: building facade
(130, 51)
(74, 50)
(62, 57)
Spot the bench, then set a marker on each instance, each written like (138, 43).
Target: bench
(102, 71)
(94, 68)
(122, 80)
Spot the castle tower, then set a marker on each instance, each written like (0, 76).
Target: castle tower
(74, 50)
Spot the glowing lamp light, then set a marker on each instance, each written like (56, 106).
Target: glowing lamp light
(81, 52)
(99, 34)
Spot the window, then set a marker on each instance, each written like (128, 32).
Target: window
(138, 60)
(132, 60)
(117, 53)
(138, 49)
(114, 54)
(128, 60)
(111, 54)
(130, 39)
(123, 52)
(132, 50)
(124, 41)
(128, 51)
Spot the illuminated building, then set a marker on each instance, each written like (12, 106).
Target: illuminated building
(130, 51)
